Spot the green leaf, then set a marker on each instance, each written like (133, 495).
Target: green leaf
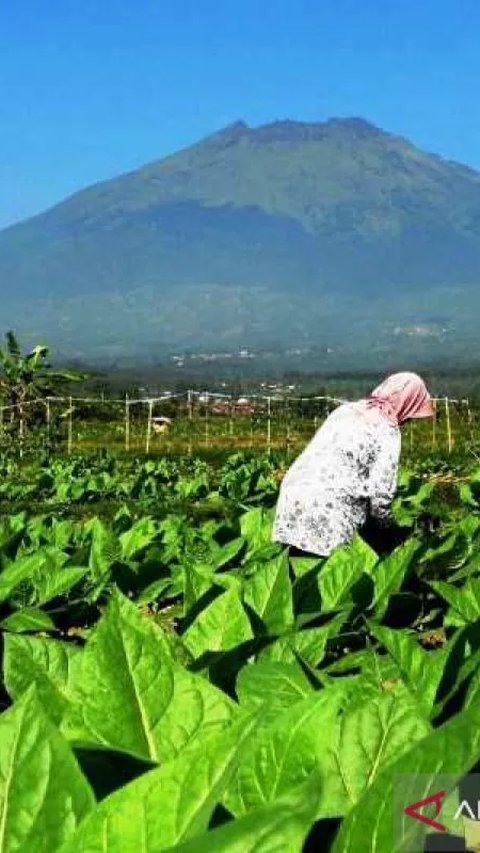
(309, 643)
(269, 594)
(48, 664)
(196, 708)
(388, 574)
(342, 570)
(197, 578)
(43, 794)
(221, 626)
(140, 535)
(170, 804)
(278, 684)
(279, 826)
(58, 584)
(256, 528)
(364, 741)
(18, 571)
(105, 549)
(285, 751)
(421, 670)
(27, 619)
(454, 748)
(226, 553)
(465, 601)
(126, 668)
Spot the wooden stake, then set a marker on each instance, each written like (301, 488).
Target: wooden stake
(70, 425)
(206, 398)
(149, 426)
(269, 422)
(127, 423)
(449, 427)
(47, 417)
(21, 428)
(469, 418)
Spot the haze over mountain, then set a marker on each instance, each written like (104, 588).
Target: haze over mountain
(333, 235)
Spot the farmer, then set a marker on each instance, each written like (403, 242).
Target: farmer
(347, 474)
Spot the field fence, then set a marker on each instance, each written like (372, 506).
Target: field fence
(208, 417)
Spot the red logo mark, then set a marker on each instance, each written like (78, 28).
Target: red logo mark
(412, 811)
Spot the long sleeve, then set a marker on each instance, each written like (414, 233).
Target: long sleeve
(383, 475)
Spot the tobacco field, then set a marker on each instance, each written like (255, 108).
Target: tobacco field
(173, 681)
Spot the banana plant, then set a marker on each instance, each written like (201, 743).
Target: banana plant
(26, 376)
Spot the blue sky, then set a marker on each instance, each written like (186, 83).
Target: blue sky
(92, 88)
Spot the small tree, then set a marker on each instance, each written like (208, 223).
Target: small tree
(29, 376)
(24, 377)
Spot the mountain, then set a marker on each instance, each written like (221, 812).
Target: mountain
(335, 235)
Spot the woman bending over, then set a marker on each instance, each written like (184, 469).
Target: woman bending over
(347, 474)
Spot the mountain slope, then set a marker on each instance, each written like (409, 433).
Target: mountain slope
(340, 217)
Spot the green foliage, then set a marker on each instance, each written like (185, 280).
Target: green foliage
(178, 682)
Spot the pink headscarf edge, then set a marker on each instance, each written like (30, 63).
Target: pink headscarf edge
(401, 397)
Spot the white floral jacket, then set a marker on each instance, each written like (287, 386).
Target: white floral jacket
(347, 471)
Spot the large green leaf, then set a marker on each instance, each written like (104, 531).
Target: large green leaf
(388, 574)
(285, 751)
(197, 580)
(43, 794)
(167, 805)
(377, 823)
(276, 683)
(279, 827)
(221, 626)
(256, 528)
(341, 571)
(421, 670)
(126, 682)
(269, 593)
(308, 643)
(22, 569)
(465, 601)
(58, 583)
(195, 709)
(364, 741)
(27, 619)
(138, 537)
(48, 664)
(105, 549)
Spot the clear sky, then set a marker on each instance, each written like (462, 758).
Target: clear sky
(92, 88)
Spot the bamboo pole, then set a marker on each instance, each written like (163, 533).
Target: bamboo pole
(1, 419)
(469, 418)
(70, 425)
(411, 436)
(434, 425)
(231, 419)
(206, 398)
(190, 405)
(269, 422)
(20, 428)
(449, 426)
(149, 426)
(127, 423)
(47, 417)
